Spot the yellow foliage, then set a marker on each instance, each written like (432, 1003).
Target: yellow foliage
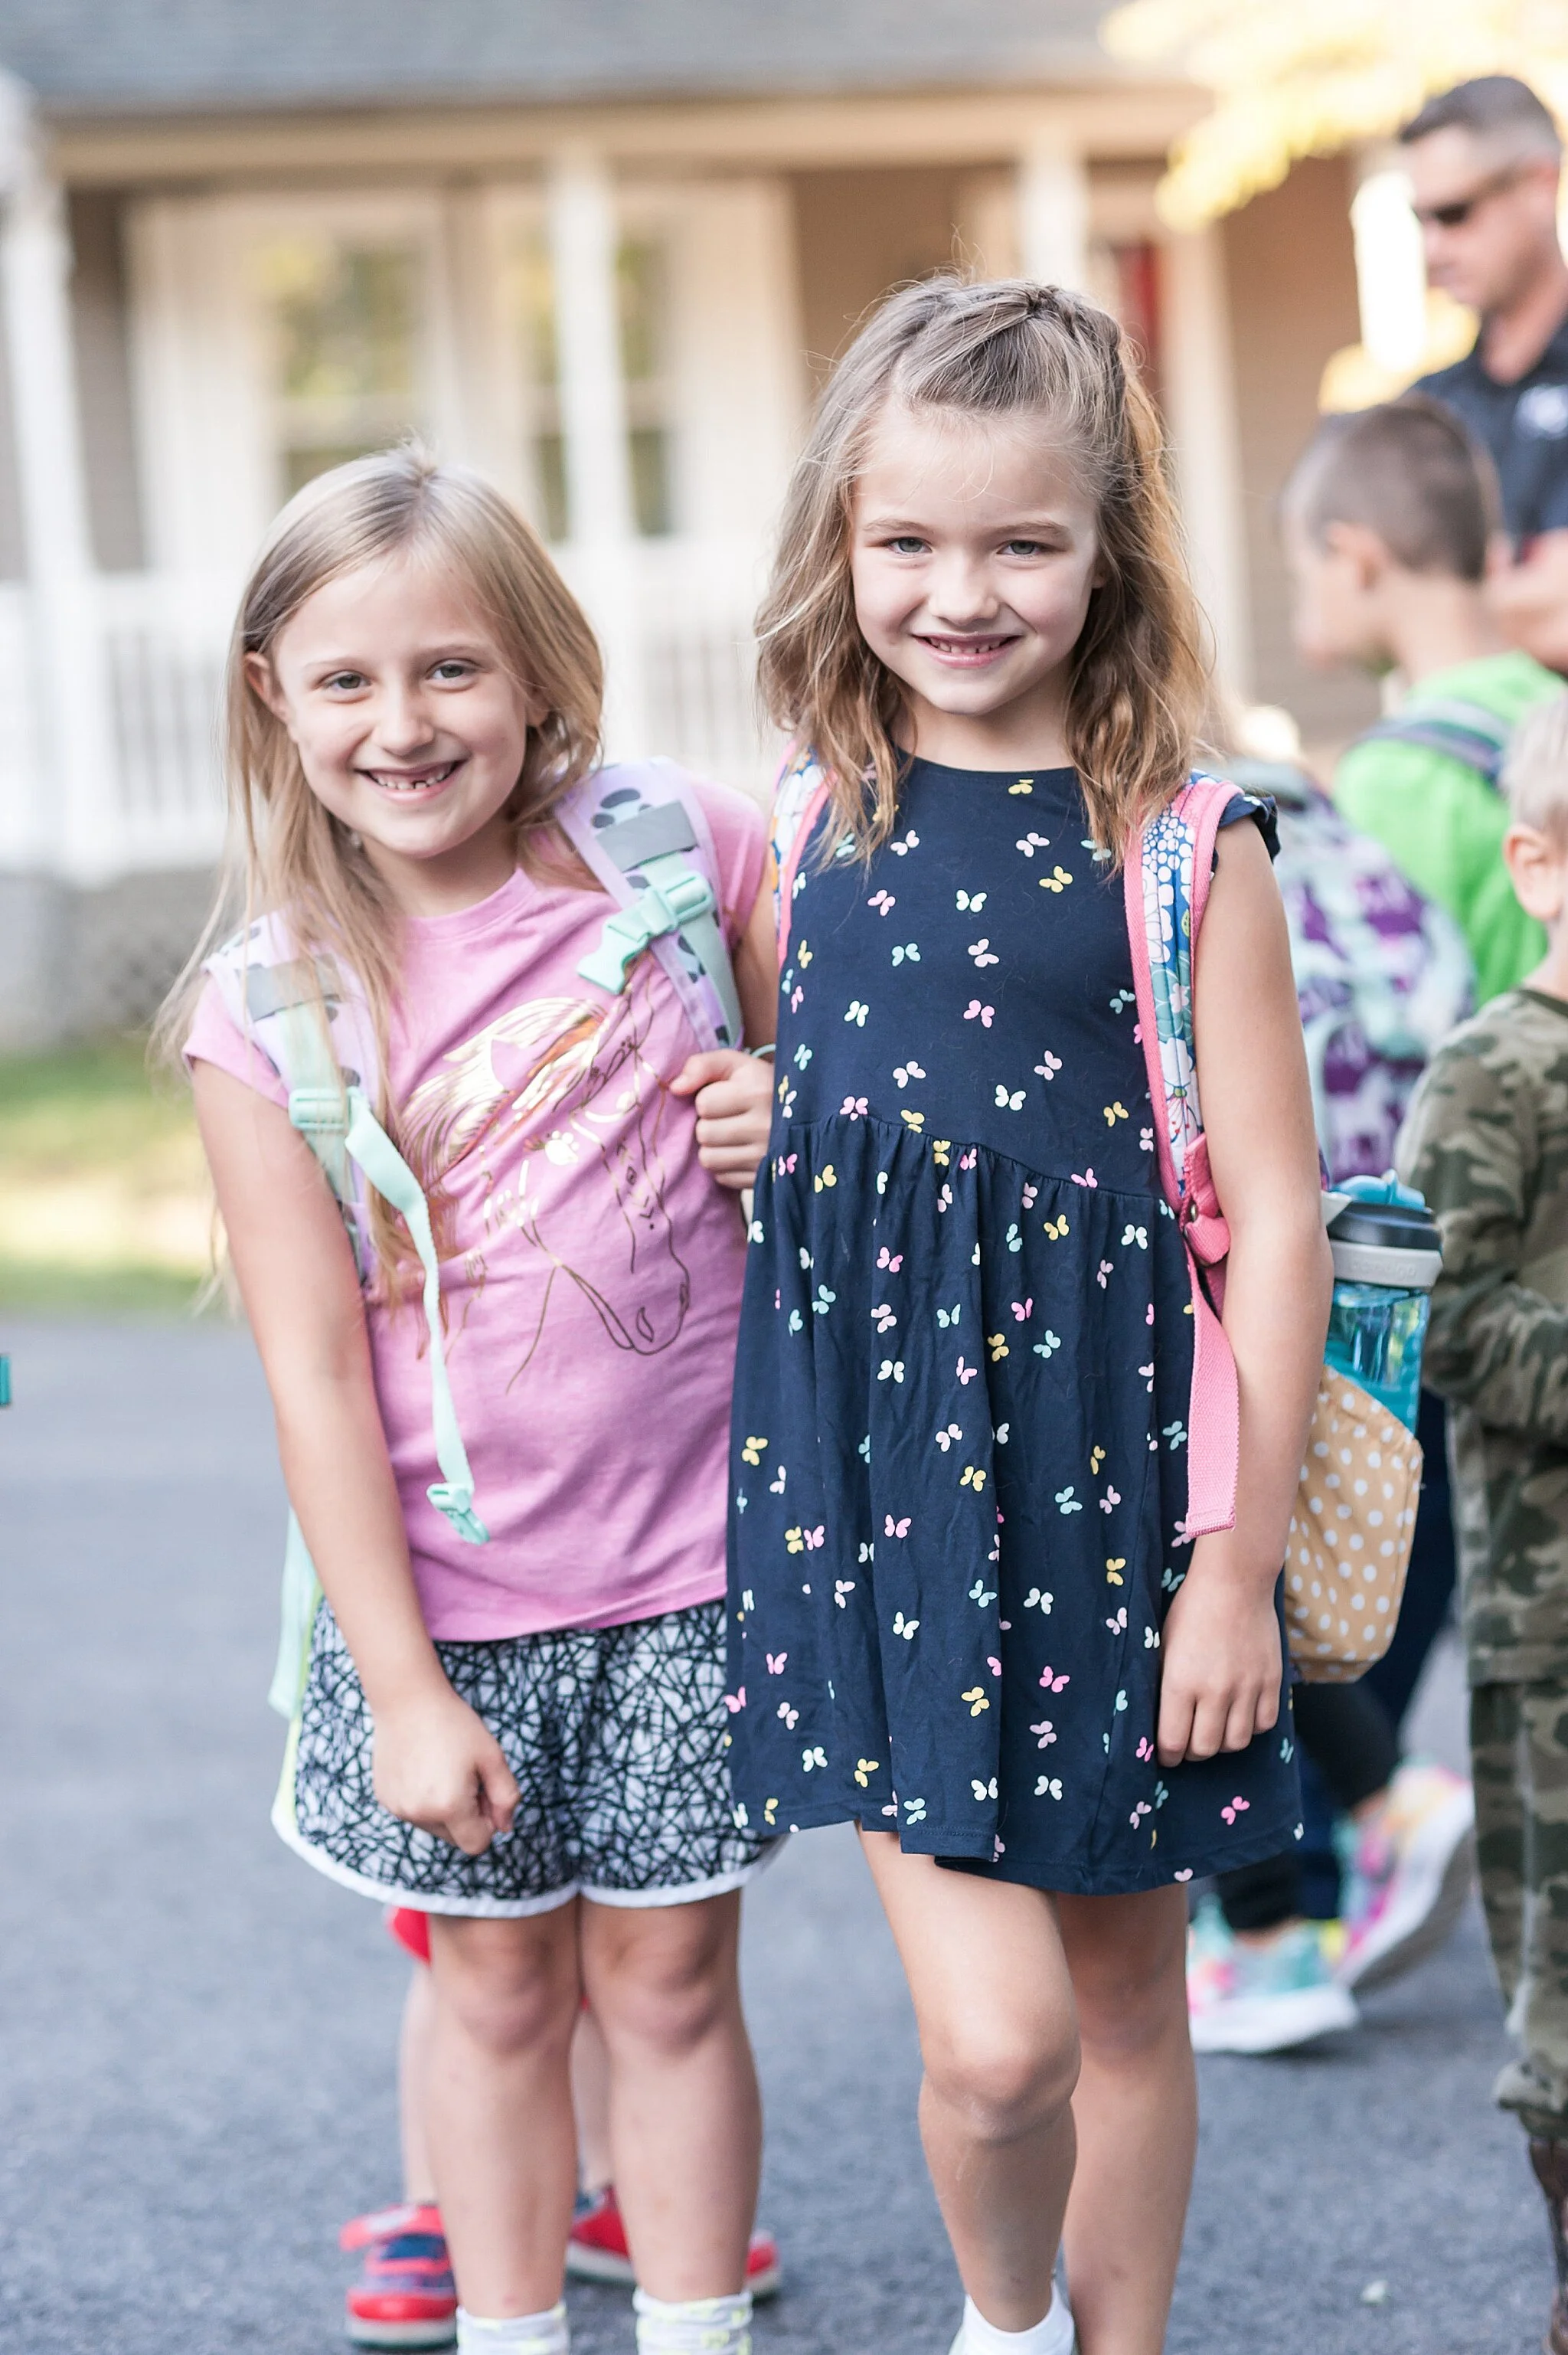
(1290, 81)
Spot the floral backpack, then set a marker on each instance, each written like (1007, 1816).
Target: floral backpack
(1351, 1532)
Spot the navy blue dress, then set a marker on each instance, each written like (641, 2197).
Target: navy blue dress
(965, 1362)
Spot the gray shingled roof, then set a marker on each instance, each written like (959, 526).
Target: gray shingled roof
(154, 56)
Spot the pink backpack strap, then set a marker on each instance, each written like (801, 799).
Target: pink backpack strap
(1166, 884)
(800, 796)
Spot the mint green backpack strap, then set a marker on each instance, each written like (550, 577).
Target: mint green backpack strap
(639, 828)
(337, 1124)
(308, 1059)
(369, 1145)
(301, 1600)
(676, 899)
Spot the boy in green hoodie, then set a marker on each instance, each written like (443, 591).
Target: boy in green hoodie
(1388, 519)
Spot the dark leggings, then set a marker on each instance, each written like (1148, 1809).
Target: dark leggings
(1349, 1733)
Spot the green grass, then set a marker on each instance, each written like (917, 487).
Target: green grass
(104, 1207)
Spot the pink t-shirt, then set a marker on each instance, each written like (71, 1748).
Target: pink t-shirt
(591, 1268)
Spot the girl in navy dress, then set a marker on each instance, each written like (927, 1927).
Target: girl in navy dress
(963, 1611)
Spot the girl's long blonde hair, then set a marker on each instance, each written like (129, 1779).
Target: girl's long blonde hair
(1139, 688)
(287, 852)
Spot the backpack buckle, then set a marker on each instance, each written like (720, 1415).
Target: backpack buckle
(318, 1110)
(457, 1504)
(661, 908)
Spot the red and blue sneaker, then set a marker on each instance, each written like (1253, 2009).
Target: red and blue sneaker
(597, 2249)
(405, 2295)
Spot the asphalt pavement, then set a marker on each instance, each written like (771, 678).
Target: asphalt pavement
(196, 2031)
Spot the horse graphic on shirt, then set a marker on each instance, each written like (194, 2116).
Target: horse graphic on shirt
(550, 1084)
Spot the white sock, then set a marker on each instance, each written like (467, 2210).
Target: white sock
(1052, 2336)
(519, 2334)
(696, 2326)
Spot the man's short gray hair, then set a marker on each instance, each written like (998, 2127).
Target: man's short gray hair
(1498, 109)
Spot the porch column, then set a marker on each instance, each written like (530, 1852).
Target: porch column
(585, 237)
(80, 830)
(1390, 272)
(1205, 434)
(1054, 214)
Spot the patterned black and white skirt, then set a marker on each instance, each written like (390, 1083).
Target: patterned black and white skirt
(618, 1740)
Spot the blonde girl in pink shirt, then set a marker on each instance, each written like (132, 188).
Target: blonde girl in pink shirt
(523, 1737)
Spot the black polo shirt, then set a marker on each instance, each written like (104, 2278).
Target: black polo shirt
(1524, 425)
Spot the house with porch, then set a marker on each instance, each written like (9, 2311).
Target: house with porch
(603, 252)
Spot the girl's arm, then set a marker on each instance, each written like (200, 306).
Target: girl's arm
(436, 1765)
(734, 1088)
(1221, 1665)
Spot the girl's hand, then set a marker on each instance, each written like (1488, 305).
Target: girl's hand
(734, 1094)
(1220, 1680)
(437, 1766)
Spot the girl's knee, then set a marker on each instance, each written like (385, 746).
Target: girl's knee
(1005, 2081)
(667, 1984)
(1132, 1998)
(506, 1987)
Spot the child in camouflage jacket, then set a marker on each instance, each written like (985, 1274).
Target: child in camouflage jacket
(1487, 1142)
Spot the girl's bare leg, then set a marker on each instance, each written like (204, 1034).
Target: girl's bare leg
(685, 2119)
(994, 2007)
(413, 2096)
(1137, 2111)
(499, 2110)
(590, 2101)
(590, 2094)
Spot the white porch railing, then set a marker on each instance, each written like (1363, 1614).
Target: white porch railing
(675, 617)
(164, 641)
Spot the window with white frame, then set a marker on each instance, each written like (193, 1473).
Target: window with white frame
(344, 323)
(642, 278)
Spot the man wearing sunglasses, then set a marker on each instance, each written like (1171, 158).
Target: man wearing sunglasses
(1485, 160)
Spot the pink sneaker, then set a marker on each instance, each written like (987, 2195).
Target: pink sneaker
(405, 2295)
(1409, 1874)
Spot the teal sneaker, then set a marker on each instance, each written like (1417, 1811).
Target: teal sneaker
(1261, 1996)
(1407, 1870)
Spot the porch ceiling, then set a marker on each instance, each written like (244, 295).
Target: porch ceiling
(170, 56)
(273, 147)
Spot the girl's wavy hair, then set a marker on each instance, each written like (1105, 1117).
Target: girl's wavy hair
(287, 853)
(1138, 692)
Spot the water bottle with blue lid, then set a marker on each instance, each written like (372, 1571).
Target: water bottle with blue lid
(1387, 1257)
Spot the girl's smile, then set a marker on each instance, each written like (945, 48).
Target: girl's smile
(426, 781)
(966, 654)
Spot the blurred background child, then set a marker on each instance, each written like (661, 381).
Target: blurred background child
(1486, 1143)
(1388, 519)
(1276, 1952)
(1400, 905)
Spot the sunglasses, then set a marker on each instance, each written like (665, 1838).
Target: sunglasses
(1455, 214)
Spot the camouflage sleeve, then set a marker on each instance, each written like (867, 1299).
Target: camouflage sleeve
(1469, 1144)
